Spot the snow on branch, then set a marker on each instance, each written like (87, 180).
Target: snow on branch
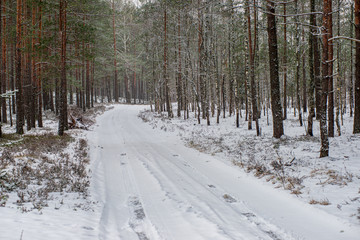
(8, 94)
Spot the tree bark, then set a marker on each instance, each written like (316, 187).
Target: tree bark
(19, 88)
(351, 83)
(116, 85)
(252, 49)
(330, 73)
(278, 129)
(324, 150)
(285, 66)
(357, 70)
(4, 70)
(311, 87)
(166, 78)
(63, 91)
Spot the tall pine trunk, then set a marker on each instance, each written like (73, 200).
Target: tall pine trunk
(63, 91)
(285, 67)
(116, 85)
(324, 150)
(278, 129)
(18, 59)
(357, 69)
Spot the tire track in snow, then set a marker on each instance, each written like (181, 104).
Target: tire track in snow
(182, 192)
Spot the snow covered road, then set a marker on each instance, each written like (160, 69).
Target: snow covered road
(153, 187)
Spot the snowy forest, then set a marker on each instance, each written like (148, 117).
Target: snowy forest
(94, 93)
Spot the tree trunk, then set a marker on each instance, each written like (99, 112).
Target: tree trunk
(357, 70)
(278, 129)
(311, 90)
(330, 73)
(167, 91)
(63, 91)
(4, 70)
(19, 97)
(1, 67)
(252, 49)
(116, 85)
(351, 83)
(324, 150)
(179, 80)
(297, 70)
(285, 67)
(39, 76)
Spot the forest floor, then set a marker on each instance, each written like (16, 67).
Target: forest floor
(142, 182)
(45, 179)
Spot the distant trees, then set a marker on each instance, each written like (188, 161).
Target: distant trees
(213, 58)
(57, 52)
(226, 69)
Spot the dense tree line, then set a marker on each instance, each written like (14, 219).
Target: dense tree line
(216, 58)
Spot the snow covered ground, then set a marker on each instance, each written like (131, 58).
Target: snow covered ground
(147, 185)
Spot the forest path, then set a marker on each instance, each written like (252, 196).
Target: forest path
(153, 187)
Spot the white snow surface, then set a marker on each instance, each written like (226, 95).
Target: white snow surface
(147, 184)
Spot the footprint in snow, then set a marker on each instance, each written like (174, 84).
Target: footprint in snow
(229, 198)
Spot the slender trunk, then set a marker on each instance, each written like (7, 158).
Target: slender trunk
(252, 49)
(1, 68)
(19, 97)
(34, 89)
(338, 78)
(324, 150)
(87, 90)
(278, 129)
(297, 73)
(317, 63)
(351, 83)
(4, 70)
(179, 80)
(311, 90)
(285, 66)
(116, 85)
(304, 89)
(167, 91)
(63, 91)
(330, 74)
(39, 76)
(357, 69)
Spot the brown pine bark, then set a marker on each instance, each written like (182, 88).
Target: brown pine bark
(4, 70)
(276, 108)
(1, 67)
(18, 59)
(33, 97)
(330, 74)
(63, 91)
(39, 69)
(317, 64)
(351, 83)
(357, 70)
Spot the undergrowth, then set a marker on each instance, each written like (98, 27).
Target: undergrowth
(35, 166)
